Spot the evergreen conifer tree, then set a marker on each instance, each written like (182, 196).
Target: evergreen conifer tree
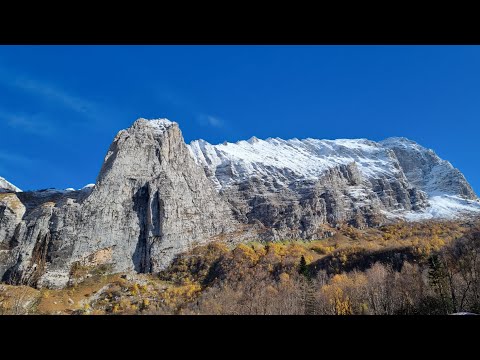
(303, 269)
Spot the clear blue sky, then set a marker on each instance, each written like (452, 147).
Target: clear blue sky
(61, 106)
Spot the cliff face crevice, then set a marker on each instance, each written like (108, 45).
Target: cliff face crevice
(150, 212)
(141, 206)
(155, 197)
(32, 274)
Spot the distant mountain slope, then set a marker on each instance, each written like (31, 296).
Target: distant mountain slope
(397, 177)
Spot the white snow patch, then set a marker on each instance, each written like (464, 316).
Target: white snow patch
(160, 125)
(4, 184)
(445, 207)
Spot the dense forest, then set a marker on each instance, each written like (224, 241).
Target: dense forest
(405, 268)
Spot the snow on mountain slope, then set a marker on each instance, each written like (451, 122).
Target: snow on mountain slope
(6, 186)
(394, 159)
(445, 207)
(427, 171)
(292, 160)
(160, 125)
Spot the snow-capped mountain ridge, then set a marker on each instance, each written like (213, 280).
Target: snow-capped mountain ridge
(393, 160)
(290, 160)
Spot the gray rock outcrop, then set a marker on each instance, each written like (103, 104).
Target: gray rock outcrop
(151, 201)
(425, 170)
(293, 187)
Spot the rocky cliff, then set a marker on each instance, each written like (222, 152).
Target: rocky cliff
(294, 186)
(155, 196)
(150, 202)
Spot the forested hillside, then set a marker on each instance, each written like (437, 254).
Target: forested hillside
(406, 268)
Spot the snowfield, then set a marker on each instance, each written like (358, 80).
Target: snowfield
(291, 160)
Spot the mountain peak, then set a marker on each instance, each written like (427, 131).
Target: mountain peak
(159, 125)
(399, 141)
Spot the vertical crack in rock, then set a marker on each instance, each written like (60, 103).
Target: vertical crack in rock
(37, 265)
(149, 210)
(141, 205)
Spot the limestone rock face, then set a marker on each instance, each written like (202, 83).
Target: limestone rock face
(11, 214)
(292, 187)
(425, 170)
(151, 201)
(300, 210)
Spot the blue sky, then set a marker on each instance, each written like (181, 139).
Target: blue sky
(61, 106)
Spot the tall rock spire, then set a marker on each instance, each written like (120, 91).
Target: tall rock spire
(151, 201)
